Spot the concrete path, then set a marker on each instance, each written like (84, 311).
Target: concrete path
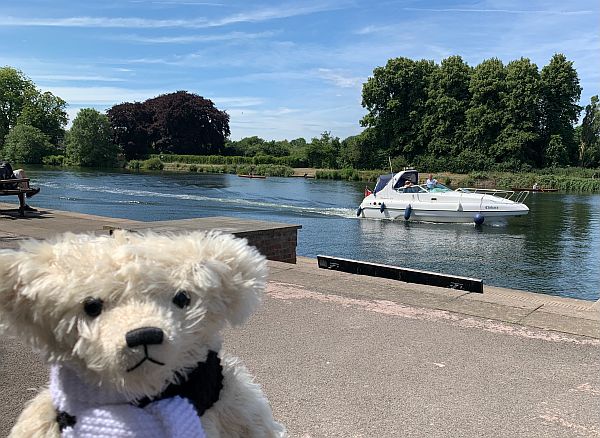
(353, 356)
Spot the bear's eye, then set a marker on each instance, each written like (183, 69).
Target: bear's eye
(93, 306)
(182, 299)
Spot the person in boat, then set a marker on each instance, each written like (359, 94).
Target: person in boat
(7, 172)
(431, 182)
(408, 183)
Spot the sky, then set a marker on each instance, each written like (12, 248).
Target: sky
(280, 69)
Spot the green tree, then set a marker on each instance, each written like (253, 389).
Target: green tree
(557, 153)
(26, 144)
(323, 152)
(590, 135)
(395, 98)
(275, 148)
(362, 151)
(89, 142)
(351, 153)
(298, 152)
(298, 143)
(448, 97)
(560, 94)
(486, 111)
(249, 146)
(519, 141)
(22, 103)
(15, 91)
(46, 112)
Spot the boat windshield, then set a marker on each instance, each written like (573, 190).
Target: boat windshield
(411, 189)
(382, 182)
(439, 188)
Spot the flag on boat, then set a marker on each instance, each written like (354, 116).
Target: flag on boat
(367, 191)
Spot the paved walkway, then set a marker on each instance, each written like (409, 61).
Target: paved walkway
(346, 355)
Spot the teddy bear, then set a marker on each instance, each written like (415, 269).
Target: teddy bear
(131, 325)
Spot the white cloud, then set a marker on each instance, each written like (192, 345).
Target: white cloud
(184, 39)
(258, 15)
(372, 29)
(501, 11)
(274, 13)
(102, 95)
(237, 102)
(66, 77)
(180, 2)
(290, 123)
(101, 22)
(341, 80)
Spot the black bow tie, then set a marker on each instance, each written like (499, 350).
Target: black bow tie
(201, 386)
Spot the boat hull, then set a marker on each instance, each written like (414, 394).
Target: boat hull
(437, 215)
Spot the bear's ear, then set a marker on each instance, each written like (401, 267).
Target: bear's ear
(235, 274)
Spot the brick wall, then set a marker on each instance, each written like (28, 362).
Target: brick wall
(278, 244)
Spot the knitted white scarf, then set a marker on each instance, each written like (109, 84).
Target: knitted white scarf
(103, 413)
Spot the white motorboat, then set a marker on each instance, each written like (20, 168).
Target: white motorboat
(399, 196)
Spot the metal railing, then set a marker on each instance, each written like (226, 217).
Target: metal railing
(510, 195)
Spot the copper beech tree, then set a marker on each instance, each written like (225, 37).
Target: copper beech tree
(178, 123)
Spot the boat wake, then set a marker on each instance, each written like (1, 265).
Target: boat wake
(214, 201)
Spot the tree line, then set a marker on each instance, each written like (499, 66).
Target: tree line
(446, 117)
(507, 117)
(33, 127)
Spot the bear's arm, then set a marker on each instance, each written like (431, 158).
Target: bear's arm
(38, 419)
(242, 410)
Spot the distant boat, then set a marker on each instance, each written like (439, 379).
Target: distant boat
(529, 189)
(252, 176)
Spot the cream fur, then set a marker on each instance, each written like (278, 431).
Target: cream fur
(44, 284)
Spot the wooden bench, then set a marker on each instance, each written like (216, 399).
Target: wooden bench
(7, 188)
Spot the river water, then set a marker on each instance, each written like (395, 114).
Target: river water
(553, 250)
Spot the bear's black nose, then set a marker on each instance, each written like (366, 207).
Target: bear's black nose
(144, 336)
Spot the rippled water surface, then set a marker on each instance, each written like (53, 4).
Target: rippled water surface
(553, 250)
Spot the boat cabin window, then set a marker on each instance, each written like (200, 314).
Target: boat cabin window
(382, 182)
(413, 177)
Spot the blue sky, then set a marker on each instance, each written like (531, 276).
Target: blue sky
(280, 69)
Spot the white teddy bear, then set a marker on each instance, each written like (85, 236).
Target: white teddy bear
(131, 325)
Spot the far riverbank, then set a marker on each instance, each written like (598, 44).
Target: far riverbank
(573, 180)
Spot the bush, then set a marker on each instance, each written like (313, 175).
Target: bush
(227, 160)
(53, 160)
(134, 164)
(478, 175)
(26, 144)
(349, 174)
(153, 164)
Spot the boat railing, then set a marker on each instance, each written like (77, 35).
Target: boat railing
(511, 195)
